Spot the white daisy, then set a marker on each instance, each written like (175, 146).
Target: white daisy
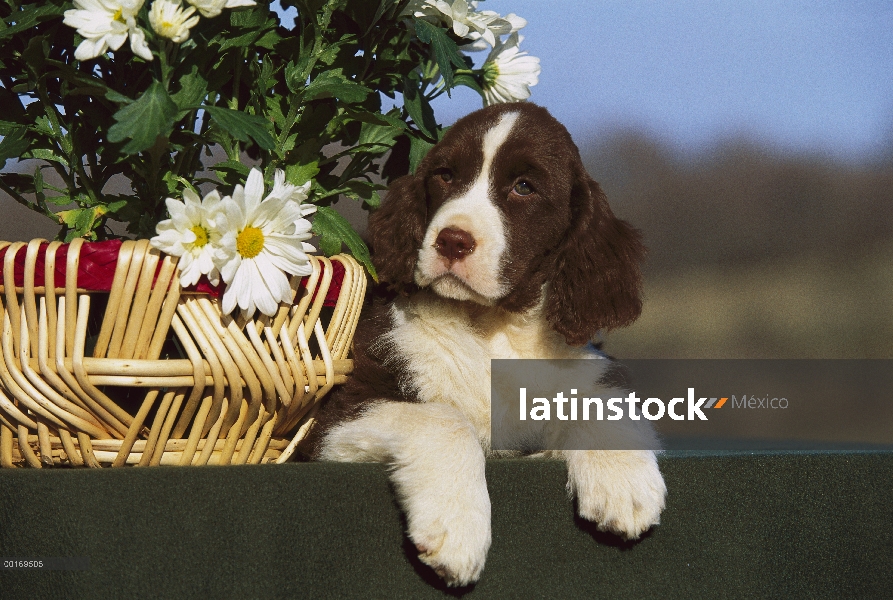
(295, 193)
(517, 23)
(212, 8)
(289, 191)
(262, 241)
(192, 234)
(508, 73)
(461, 15)
(478, 42)
(107, 24)
(169, 20)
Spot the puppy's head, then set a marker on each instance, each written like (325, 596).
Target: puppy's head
(500, 212)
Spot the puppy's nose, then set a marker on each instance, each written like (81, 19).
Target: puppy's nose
(454, 244)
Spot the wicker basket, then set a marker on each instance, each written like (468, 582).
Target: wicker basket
(241, 391)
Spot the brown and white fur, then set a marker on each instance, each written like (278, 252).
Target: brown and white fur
(500, 246)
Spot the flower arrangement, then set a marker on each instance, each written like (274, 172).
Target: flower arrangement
(178, 96)
(249, 242)
(235, 123)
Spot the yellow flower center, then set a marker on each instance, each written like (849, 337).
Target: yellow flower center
(250, 242)
(119, 16)
(201, 236)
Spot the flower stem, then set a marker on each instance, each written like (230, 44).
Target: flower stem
(65, 143)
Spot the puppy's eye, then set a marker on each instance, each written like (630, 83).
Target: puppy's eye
(445, 175)
(522, 188)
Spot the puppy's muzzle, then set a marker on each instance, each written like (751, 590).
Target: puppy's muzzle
(454, 244)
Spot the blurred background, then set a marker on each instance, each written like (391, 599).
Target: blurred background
(751, 142)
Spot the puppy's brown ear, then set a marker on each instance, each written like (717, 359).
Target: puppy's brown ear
(396, 231)
(597, 283)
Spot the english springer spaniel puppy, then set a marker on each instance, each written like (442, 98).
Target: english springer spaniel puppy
(500, 246)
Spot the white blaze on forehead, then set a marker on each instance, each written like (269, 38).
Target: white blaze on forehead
(473, 211)
(494, 139)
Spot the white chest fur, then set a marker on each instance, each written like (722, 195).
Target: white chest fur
(446, 347)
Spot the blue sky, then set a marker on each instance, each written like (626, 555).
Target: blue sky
(802, 75)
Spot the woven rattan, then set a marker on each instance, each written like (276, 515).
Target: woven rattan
(241, 392)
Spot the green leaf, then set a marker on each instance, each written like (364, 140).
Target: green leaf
(418, 149)
(377, 138)
(114, 207)
(333, 84)
(304, 161)
(231, 172)
(266, 79)
(81, 221)
(193, 89)
(42, 125)
(13, 145)
(142, 121)
(240, 41)
(59, 200)
(274, 110)
(232, 165)
(40, 185)
(446, 52)
(330, 54)
(82, 83)
(301, 174)
(418, 107)
(468, 81)
(295, 73)
(114, 96)
(268, 40)
(35, 54)
(259, 30)
(44, 154)
(137, 213)
(176, 184)
(374, 118)
(241, 125)
(31, 15)
(365, 191)
(8, 127)
(288, 144)
(334, 230)
(253, 18)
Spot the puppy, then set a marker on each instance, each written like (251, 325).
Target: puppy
(501, 246)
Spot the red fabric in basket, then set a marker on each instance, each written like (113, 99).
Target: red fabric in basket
(96, 270)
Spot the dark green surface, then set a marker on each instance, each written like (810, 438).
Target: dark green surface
(742, 525)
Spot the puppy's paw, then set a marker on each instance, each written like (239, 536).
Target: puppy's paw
(452, 537)
(623, 492)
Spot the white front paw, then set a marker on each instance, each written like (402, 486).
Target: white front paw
(452, 535)
(623, 491)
